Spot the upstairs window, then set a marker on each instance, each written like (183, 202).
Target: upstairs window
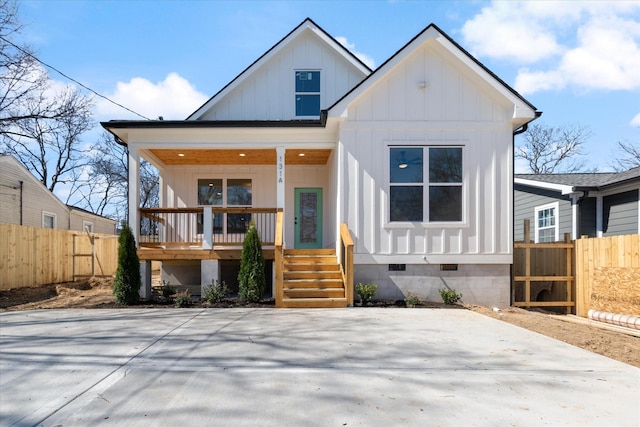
(307, 93)
(425, 184)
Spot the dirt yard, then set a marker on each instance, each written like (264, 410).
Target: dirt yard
(601, 339)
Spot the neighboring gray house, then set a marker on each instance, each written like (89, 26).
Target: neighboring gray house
(24, 200)
(583, 204)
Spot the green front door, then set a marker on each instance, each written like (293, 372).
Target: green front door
(308, 218)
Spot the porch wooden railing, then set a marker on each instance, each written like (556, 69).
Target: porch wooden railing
(193, 226)
(346, 261)
(279, 257)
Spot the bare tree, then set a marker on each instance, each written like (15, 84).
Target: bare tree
(24, 84)
(554, 149)
(629, 156)
(51, 148)
(106, 187)
(40, 125)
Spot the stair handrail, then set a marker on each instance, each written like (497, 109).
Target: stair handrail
(346, 262)
(278, 256)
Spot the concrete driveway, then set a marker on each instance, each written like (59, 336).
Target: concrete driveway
(338, 367)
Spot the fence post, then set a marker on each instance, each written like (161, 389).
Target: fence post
(569, 259)
(527, 262)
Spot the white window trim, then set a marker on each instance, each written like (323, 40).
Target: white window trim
(463, 223)
(296, 93)
(556, 207)
(87, 223)
(50, 214)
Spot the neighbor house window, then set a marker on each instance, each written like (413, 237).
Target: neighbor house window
(88, 226)
(307, 93)
(546, 226)
(48, 220)
(226, 193)
(425, 184)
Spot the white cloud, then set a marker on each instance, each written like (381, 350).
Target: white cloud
(174, 98)
(635, 122)
(585, 45)
(369, 62)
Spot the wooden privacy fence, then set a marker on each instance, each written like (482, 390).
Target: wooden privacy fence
(543, 273)
(590, 273)
(31, 256)
(608, 275)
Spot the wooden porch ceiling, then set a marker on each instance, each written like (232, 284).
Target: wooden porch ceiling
(235, 157)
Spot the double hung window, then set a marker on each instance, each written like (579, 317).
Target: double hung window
(425, 184)
(546, 229)
(307, 93)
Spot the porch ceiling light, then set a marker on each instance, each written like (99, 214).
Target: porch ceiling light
(242, 154)
(180, 154)
(300, 154)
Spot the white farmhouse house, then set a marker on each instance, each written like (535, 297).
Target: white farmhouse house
(402, 176)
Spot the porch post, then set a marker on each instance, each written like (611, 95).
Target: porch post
(134, 192)
(574, 216)
(280, 166)
(599, 216)
(207, 228)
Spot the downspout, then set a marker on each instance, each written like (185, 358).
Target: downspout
(21, 205)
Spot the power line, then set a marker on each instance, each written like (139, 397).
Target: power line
(72, 79)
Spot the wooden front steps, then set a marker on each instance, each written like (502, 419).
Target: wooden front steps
(312, 279)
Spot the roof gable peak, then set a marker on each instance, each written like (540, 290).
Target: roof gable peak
(306, 25)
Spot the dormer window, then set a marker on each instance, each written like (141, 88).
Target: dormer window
(307, 93)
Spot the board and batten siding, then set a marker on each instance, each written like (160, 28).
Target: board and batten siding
(268, 93)
(527, 199)
(456, 108)
(621, 213)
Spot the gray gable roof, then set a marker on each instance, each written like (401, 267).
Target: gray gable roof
(594, 181)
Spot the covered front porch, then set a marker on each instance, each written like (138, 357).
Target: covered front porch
(300, 277)
(216, 177)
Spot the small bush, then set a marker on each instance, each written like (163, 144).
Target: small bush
(182, 299)
(126, 284)
(216, 291)
(366, 292)
(411, 300)
(166, 290)
(450, 296)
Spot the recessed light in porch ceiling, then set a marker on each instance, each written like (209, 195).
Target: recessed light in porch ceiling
(300, 154)
(180, 154)
(242, 154)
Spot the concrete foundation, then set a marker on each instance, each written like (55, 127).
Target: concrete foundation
(209, 273)
(482, 284)
(182, 274)
(145, 279)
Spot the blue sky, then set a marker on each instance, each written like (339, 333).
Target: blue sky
(578, 62)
